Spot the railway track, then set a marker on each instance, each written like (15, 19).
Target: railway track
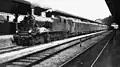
(11, 48)
(92, 61)
(35, 58)
(3, 48)
(103, 49)
(39, 56)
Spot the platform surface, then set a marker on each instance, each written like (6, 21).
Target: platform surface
(111, 55)
(5, 41)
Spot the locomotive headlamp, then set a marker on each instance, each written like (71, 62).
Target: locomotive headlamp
(16, 31)
(30, 31)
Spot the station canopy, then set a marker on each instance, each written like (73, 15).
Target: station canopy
(38, 10)
(15, 6)
(18, 6)
(114, 7)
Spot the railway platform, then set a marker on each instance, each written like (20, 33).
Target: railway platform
(100, 56)
(5, 41)
(111, 55)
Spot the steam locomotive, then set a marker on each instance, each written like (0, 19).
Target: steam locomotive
(32, 32)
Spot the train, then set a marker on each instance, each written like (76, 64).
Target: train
(33, 32)
(30, 32)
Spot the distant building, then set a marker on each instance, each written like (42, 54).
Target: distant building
(99, 20)
(115, 25)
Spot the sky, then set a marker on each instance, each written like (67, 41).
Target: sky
(90, 9)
